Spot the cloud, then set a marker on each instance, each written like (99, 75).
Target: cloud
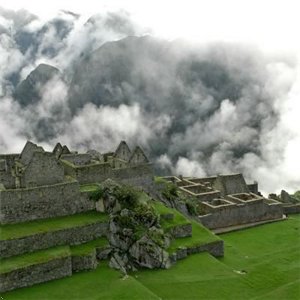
(197, 109)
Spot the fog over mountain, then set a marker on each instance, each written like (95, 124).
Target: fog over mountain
(196, 109)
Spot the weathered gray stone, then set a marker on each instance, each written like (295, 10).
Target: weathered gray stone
(84, 262)
(21, 205)
(149, 255)
(100, 205)
(180, 231)
(215, 248)
(103, 252)
(70, 236)
(23, 277)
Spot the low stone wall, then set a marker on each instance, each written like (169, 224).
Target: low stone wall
(54, 269)
(209, 196)
(249, 212)
(70, 236)
(21, 205)
(181, 231)
(291, 209)
(135, 175)
(214, 248)
(84, 262)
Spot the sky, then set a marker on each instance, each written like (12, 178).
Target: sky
(272, 25)
(256, 42)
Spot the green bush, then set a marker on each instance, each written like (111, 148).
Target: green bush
(297, 195)
(127, 196)
(96, 194)
(170, 191)
(191, 207)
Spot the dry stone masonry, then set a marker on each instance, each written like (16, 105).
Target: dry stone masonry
(41, 189)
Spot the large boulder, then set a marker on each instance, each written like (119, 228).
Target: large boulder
(146, 253)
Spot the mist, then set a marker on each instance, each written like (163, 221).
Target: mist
(198, 109)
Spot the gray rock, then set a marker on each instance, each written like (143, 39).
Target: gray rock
(149, 255)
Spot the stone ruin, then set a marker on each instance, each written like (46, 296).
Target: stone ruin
(226, 201)
(39, 186)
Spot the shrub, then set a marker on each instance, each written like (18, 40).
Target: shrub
(127, 196)
(96, 194)
(170, 191)
(297, 195)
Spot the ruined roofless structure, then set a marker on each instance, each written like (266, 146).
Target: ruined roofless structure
(48, 193)
(58, 175)
(225, 201)
(38, 188)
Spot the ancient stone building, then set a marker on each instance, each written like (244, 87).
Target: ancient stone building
(226, 200)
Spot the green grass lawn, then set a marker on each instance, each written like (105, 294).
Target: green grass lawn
(13, 231)
(259, 263)
(38, 257)
(269, 256)
(178, 219)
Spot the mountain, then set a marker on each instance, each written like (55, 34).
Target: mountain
(29, 90)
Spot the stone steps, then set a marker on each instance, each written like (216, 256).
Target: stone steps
(29, 269)
(53, 263)
(200, 240)
(82, 229)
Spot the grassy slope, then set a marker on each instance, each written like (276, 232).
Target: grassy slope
(40, 226)
(269, 254)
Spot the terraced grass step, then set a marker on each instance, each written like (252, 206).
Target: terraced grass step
(31, 268)
(22, 261)
(17, 239)
(178, 225)
(202, 240)
(13, 231)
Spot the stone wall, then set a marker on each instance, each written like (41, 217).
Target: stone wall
(252, 211)
(70, 236)
(22, 205)
(231, 184)
(84, 262)
(135, 175)
(6, 176)
(214, 248)
(291, 209)
(43, 169)
(53, 269)
(78, 159)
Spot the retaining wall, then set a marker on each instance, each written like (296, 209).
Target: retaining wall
(84, 262)
(23, 277)
(21, 205)
(70, 236)
(291, 209)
